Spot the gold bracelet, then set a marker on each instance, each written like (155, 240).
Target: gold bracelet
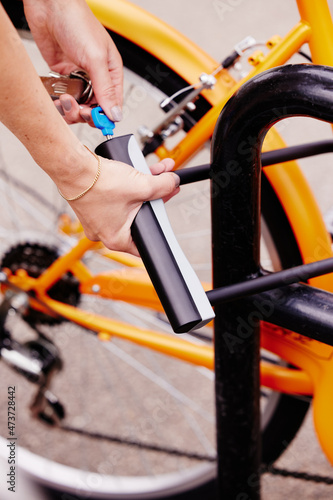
(91, 185)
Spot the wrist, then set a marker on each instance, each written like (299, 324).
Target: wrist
(77, 170)
(80, 194)
(71, 166)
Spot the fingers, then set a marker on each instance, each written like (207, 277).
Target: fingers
(85, 113)
(69, 109)
(105, 68)
(164, 186)
(72, 112)
(121, 191)
(107, 81)
(165, 165)
(140, 187)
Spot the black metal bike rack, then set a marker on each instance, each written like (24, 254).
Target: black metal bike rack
(304, 90)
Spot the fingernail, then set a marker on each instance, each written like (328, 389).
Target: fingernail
(177, 179)
(67, 105)
(117, 114)
(86, 118)
(59, 108)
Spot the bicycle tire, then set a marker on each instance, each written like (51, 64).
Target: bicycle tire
(274, 216)
(276, 434)
(290, 411)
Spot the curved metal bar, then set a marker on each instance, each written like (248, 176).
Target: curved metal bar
(304, 90)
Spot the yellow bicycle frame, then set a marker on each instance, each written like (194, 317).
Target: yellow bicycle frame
(313, 360)
(189, 61)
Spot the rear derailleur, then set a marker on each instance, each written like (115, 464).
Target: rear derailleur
(37, 360)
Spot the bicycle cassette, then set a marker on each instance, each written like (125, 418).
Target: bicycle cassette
(35, 258)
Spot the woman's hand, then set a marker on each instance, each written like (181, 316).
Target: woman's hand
(107, 211)
(70, 37)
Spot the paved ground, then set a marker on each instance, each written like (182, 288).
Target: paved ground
(217, 26)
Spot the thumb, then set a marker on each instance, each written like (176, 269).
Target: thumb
(108, 87)
(160, 186)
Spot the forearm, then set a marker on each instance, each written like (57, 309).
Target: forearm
(26, 108)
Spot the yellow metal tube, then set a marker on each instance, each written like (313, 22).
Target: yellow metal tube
(63, 264)
(282, 379)
(167, 344)
(158, 38)
(272, 376)
(299, 203)
(203, 130)
(317, 15)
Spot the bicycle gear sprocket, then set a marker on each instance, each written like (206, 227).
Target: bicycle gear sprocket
(34, 258)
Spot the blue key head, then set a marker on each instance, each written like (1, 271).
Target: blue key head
(101, 121)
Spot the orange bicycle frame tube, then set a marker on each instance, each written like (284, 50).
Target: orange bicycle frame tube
(132, 284)
(315, 360)
(189, 61)
(317, 16)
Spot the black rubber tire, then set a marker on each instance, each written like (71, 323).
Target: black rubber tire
(290, 411)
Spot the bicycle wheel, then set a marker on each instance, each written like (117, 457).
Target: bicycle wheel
(282, 418)
(138, 425)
